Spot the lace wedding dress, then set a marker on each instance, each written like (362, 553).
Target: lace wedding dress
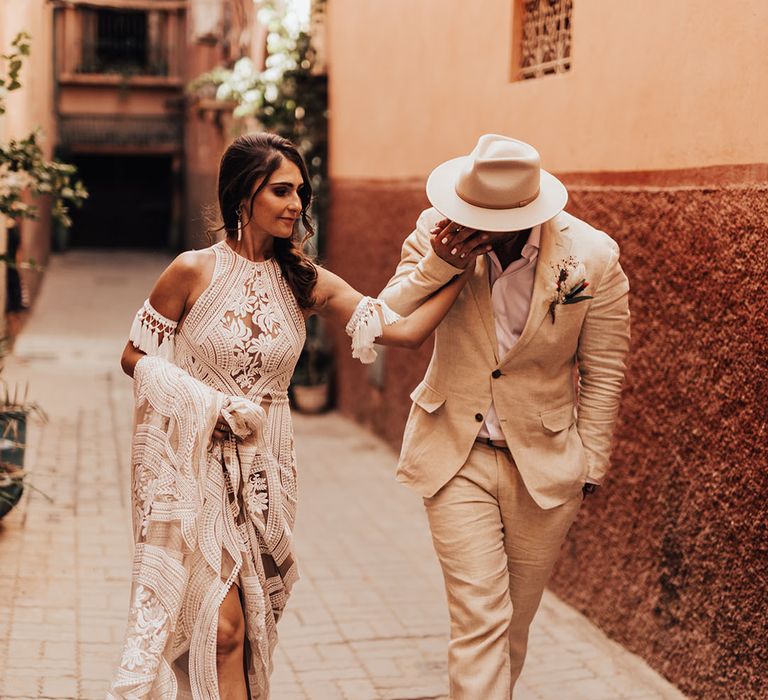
(207, 518)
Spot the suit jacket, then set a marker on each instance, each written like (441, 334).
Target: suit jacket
(556, 392)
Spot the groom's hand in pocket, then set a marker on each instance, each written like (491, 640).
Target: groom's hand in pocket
(458, 245)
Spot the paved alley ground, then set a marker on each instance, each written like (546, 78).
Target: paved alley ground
(367, 621)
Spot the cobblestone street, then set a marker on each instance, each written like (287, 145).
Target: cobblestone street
(367, 619)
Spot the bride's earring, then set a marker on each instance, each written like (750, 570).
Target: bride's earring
(239, 226)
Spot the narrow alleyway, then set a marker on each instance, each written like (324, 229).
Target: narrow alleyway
(367, 621)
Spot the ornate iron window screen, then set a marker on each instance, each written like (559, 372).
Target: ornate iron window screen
(542, 38)
(123, 42)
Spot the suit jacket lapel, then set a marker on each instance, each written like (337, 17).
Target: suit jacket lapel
(481, 290)
(555, 246)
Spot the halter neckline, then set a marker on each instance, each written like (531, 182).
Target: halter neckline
(266, 261)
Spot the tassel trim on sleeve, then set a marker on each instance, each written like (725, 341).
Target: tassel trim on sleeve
(153, 333)
(366, 325)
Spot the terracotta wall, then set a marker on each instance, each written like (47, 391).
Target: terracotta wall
(205, 136)
(368, 224)
(670, 559)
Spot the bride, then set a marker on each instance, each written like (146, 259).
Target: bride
(212, 352)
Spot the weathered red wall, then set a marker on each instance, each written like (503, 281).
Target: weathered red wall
(671, 557)
(369, 222)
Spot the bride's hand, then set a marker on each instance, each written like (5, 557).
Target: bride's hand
(221, 431)
(458, 245)
(239, 417)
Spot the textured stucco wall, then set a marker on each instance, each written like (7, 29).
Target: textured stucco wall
(671, 558)
(368, 225)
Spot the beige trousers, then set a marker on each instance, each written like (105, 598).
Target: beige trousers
(497, 549)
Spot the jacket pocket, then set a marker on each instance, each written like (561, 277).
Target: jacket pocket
(558, 418)
(427, 398)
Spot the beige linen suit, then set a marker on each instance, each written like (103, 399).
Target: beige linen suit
(498, 517)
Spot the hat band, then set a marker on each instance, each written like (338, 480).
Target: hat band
(485, 205)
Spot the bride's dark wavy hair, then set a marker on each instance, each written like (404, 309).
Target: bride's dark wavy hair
(248, 159)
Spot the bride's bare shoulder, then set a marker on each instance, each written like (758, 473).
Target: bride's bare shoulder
(189, 267)
(182, 279)
(194, 261)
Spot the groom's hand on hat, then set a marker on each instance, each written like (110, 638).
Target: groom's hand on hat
(458, 245)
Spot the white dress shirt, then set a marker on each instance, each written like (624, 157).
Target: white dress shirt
(511, 292)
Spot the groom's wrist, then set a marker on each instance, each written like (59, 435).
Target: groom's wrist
(438, 268)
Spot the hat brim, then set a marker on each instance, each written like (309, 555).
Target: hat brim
(441, 192)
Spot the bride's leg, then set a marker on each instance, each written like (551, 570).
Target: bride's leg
(230, 640)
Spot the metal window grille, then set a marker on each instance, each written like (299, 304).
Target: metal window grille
(121, 39)
(126, 42)
(545, 37)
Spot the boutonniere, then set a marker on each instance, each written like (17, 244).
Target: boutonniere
(571, 279)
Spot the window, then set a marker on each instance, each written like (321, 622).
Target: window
(123, 41)
(542, 38)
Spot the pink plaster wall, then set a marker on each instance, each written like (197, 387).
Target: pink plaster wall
(654, 85)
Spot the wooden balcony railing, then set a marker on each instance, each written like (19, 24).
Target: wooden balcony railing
(110, 131)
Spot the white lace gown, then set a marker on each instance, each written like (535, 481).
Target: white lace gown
(241, 338)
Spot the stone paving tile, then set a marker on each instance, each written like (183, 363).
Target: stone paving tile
(367, 620)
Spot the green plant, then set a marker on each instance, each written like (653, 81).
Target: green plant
(288, 97)
(15, 409)
(16, 401)
(24, 170)
(21, 47)
(13, 480)
(23, 166)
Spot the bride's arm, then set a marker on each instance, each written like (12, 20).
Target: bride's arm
(169, 299)
(338, 300)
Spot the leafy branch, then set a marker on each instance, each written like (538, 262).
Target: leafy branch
(21, 44)
(288, 97)
(23, 166)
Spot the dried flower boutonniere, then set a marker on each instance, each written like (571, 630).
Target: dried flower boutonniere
(571, 277)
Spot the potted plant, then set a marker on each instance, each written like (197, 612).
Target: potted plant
(312, 379)
(14, 412)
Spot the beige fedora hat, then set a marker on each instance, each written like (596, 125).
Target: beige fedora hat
(500, 186)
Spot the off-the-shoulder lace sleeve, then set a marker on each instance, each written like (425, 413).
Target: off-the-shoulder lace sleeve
(153, 333)
(366, 325)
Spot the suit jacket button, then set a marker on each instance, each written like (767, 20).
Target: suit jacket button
(496, 373)
(478, 417)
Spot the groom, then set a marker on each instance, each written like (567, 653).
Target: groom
(502, 441)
